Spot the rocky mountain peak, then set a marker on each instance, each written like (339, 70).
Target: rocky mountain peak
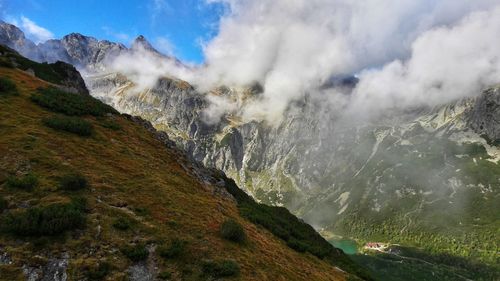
(13, 37)
(9, 31)
(142, 43)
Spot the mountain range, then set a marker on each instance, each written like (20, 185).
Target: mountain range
(386, 180)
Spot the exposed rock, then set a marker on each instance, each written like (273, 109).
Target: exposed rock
(485, 116)
(32, 273)
(140, 272)
(73, 81)
(144, 271)
(4, 257)
(13, 37)
(54, 270)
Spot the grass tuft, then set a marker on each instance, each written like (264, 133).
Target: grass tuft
(7, 87)
(220, 268)
(3, 204)
(73, 182)
(27, 182)
(165, 275)
(122, 224)
(135, 253)
(174, 250)
(100, 272)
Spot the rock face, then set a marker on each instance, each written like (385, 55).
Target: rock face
(54, 270)
(76, 49)
(79, 50)
(485, 117)
(72, 81)
(13, 37)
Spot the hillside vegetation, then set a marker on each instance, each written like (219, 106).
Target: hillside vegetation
(114, 203)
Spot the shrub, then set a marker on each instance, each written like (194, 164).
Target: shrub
(60, 101)
(141, 211)
(5, 62)
(7, 87)
(122, 224)
(49, 220)
(175, 249)
(297, 245)
(27, 182)
(165, 275)
(135, 253)
(222, 268)
(99, 272)
(73, 125)
(73, 182)
(232, 231)
(3, 204)
(111, 125)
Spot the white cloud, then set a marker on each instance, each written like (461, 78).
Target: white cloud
(34, 31)
(159, 8)
(446, 63)
(164, 45)
(121, 36)
(293, 47)
(144, 68)
(419, 52)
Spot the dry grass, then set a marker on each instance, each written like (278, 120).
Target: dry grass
(131, 175)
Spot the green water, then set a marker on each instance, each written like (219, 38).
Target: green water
(348, 246)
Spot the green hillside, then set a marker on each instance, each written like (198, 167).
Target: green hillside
(98, 196)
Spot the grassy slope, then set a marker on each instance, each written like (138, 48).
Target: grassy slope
(128, 167)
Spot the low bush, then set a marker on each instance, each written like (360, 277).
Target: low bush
(5, 62)
(165, 275)
(73, 182)
(27, 182)
(3, 204)
(141, 211)
(60, 101)
(73, 125)
(7, 87)
(100, 272)
(297, 245)
(221, 268)
(122, 224)
(111, 125)
(49, 220)
(175, 249)
(135, 253)
(232, 231)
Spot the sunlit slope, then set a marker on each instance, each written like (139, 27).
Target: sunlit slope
(133, 176)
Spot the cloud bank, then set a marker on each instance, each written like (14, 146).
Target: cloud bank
(446, 63)
(406, 53)
(34, 31)
(145, 67)
(424, 51)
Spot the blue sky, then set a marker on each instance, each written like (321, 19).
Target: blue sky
(173, 26)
